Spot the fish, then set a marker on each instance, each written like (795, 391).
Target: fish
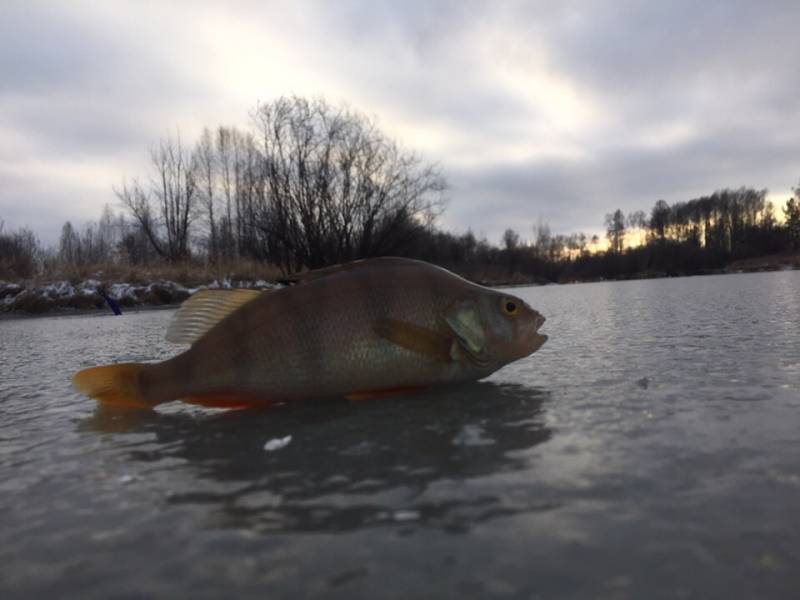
(359, 330)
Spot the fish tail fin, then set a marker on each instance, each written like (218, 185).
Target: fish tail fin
(115, 385)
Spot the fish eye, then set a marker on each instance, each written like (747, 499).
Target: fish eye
(509, 307)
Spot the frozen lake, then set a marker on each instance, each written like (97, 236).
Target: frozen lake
(651, 449)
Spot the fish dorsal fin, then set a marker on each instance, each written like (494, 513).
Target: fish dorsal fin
(415, 338)
(201, 311)
(383, 261)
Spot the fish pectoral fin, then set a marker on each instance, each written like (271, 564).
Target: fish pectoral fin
(412, 337)
(230, 401)
(464, 321)
(201, 311)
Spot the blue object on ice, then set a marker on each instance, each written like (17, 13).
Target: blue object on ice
(112, 303)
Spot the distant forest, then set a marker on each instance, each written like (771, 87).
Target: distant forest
(312, 185)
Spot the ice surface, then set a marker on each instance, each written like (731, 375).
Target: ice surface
(277, 443)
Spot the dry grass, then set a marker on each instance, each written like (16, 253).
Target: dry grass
(187, 273)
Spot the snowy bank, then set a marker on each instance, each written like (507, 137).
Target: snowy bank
(66, 296)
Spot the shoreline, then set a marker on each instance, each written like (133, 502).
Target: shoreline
(91, 296)
(166, 295)
(66, 311)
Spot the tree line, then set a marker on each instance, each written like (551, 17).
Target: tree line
(310, 184)
(701, 234)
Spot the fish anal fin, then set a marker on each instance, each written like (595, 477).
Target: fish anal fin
(229, 401)
(413, 337)
(201, 311)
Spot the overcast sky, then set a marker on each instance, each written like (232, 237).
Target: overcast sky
(562, 110)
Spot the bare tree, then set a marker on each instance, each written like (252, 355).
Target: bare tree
(615, 230)
(205, 160)
(107, 234)
(335, 188)
(225, 148)
(20, 253)
(792, 213)
(659, 219)
(68, 245)
(637, 220)
(582, 244)
(166, 208)
(542, 239)
(510, 240)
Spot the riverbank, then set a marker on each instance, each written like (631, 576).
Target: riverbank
(774, 262)
(94, 295)
(91, 295)
(89, 291)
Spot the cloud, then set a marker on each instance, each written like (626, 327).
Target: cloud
(574, 195)
(563, 111)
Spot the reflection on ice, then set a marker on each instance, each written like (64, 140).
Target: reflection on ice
(349, 465)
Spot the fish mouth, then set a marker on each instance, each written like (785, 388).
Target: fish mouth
(537, 339)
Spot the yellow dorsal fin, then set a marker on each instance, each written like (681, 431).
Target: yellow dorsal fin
(415, 338)
(201, 311)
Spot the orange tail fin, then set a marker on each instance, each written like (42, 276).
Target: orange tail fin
(114, 385)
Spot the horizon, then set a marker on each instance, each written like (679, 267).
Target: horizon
(534, 113)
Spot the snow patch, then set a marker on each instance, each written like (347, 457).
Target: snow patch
(89, 287)
(225, 284)
(88, 293)
(58, 289)
(277, 443)
(9, 292)
(120, 291)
